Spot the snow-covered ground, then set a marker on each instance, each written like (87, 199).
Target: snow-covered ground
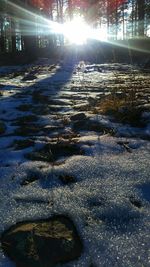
(109, 198)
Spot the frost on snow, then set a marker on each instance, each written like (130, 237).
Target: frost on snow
(60, 157)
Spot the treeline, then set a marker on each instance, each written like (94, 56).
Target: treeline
(24, 24)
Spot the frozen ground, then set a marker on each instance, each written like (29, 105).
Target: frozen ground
(88, 166)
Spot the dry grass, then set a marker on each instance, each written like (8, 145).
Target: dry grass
(124, 109)
(110, 105)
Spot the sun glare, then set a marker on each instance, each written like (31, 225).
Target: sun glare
(76, 31)
(99, 34)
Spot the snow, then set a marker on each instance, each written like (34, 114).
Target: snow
(115, 232)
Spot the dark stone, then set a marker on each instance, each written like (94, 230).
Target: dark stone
(29, 180)
(137, 203)
(67, 179)
(78, 116)
(29, 77)
(43, 243)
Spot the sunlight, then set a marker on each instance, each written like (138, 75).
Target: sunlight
(76, 31)
(99, 34)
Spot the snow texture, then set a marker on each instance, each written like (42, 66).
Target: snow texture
(109, 201)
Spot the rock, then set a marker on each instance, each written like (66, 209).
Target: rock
(29, 180)
(67, 179)
(2, 127)
(29, 77)
(78, 116)
(43, 243)
(136, 202)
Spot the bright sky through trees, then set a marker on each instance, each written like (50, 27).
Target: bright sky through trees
(53, 23)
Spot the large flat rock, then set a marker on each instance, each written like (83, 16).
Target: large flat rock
(43, 243)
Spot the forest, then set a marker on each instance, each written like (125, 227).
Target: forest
(26, 23)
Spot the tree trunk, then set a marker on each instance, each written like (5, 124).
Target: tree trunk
(13, 36)
(141, 13)
(2, 37)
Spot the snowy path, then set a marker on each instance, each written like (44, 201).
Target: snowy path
(58, 157)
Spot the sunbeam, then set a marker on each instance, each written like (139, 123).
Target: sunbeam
(76, 31)
(33, 19)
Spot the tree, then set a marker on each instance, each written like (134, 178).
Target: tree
(141, 16)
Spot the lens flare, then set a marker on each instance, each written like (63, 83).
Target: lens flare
(76, 31)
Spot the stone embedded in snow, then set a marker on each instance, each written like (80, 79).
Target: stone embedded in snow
(30, 179)
(29, 77)
(67, 179)
(43, 243)
(2, 127)
(79, 116)
(136, 202)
